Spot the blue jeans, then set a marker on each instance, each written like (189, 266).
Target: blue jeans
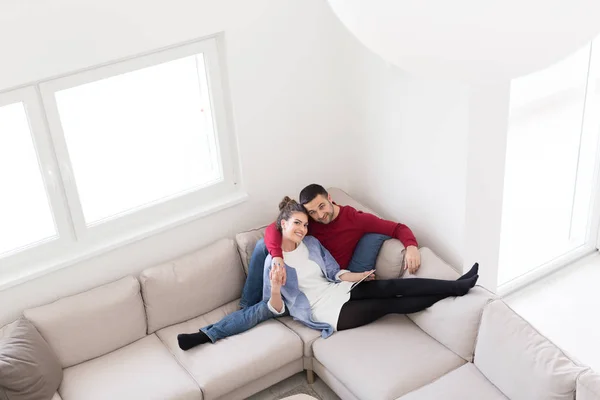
(253, 288)
(255, 310)
(239, 321)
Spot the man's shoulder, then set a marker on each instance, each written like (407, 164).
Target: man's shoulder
(347, 210)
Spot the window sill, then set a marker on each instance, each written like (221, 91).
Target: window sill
(13, 277)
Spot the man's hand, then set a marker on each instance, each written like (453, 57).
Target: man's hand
(278, 261)
(412, 259)
(277, 277)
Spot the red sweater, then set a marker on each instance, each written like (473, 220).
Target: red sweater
(342, 234)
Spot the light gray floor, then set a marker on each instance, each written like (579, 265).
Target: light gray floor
(293, 383)
(565, 307)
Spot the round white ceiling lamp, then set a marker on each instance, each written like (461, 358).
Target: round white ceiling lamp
(471, 40)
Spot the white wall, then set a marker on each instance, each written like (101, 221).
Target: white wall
(411, 155)
(488, 129)
(430, 154)
(286, 67)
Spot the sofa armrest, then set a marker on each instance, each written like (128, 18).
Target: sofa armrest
(588, 386)
(454, 321)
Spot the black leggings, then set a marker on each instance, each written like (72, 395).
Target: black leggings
(372, 300)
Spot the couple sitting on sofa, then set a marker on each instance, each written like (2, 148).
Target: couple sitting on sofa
(311, 277)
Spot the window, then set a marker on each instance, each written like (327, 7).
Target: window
(111, 154)
(140, 137)
(552, 153)
(24, 206)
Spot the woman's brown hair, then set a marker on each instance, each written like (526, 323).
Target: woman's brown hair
(287, 207)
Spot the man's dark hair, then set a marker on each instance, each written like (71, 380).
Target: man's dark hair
(310, 192)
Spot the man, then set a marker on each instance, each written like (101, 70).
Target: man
(338, 228)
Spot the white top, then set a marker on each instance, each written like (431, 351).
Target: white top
(326, 298)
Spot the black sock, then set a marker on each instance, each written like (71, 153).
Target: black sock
(188, 340)
(464, 285)
(470, 273)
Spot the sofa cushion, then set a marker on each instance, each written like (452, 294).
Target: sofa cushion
(454, 321)
(518, 360)
(246, 241)
(588, 386)
(192, 285)
(93, 323)
(305, 333)
(236, 361)
(56, 396)
(385, 359)
(464, 383)
(142, 370)
(29, 369)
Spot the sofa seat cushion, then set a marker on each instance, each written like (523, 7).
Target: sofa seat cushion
(142, 370)
(385, 359)
(519, 361)
(305, 333)
(238, 360)
(464, 383)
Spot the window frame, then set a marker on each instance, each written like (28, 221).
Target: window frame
(78, 241)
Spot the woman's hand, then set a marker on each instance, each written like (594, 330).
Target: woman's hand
(369, 277)
(357, 276)
(277, 278)
(278, 261)
(412, 259)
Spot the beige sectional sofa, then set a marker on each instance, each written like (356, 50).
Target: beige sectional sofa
(118, 341)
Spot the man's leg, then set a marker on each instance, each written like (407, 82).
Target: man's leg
(366, 252)
(234, 323)
(252, 292)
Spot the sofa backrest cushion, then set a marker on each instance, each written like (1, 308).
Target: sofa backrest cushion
(588, 386)
(93, 323)
(246, 241)
(29, 369)
(192, 285)
(519, 361)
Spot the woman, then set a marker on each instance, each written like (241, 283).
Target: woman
(319, 294)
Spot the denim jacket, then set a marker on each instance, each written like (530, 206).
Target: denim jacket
(295, 301)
